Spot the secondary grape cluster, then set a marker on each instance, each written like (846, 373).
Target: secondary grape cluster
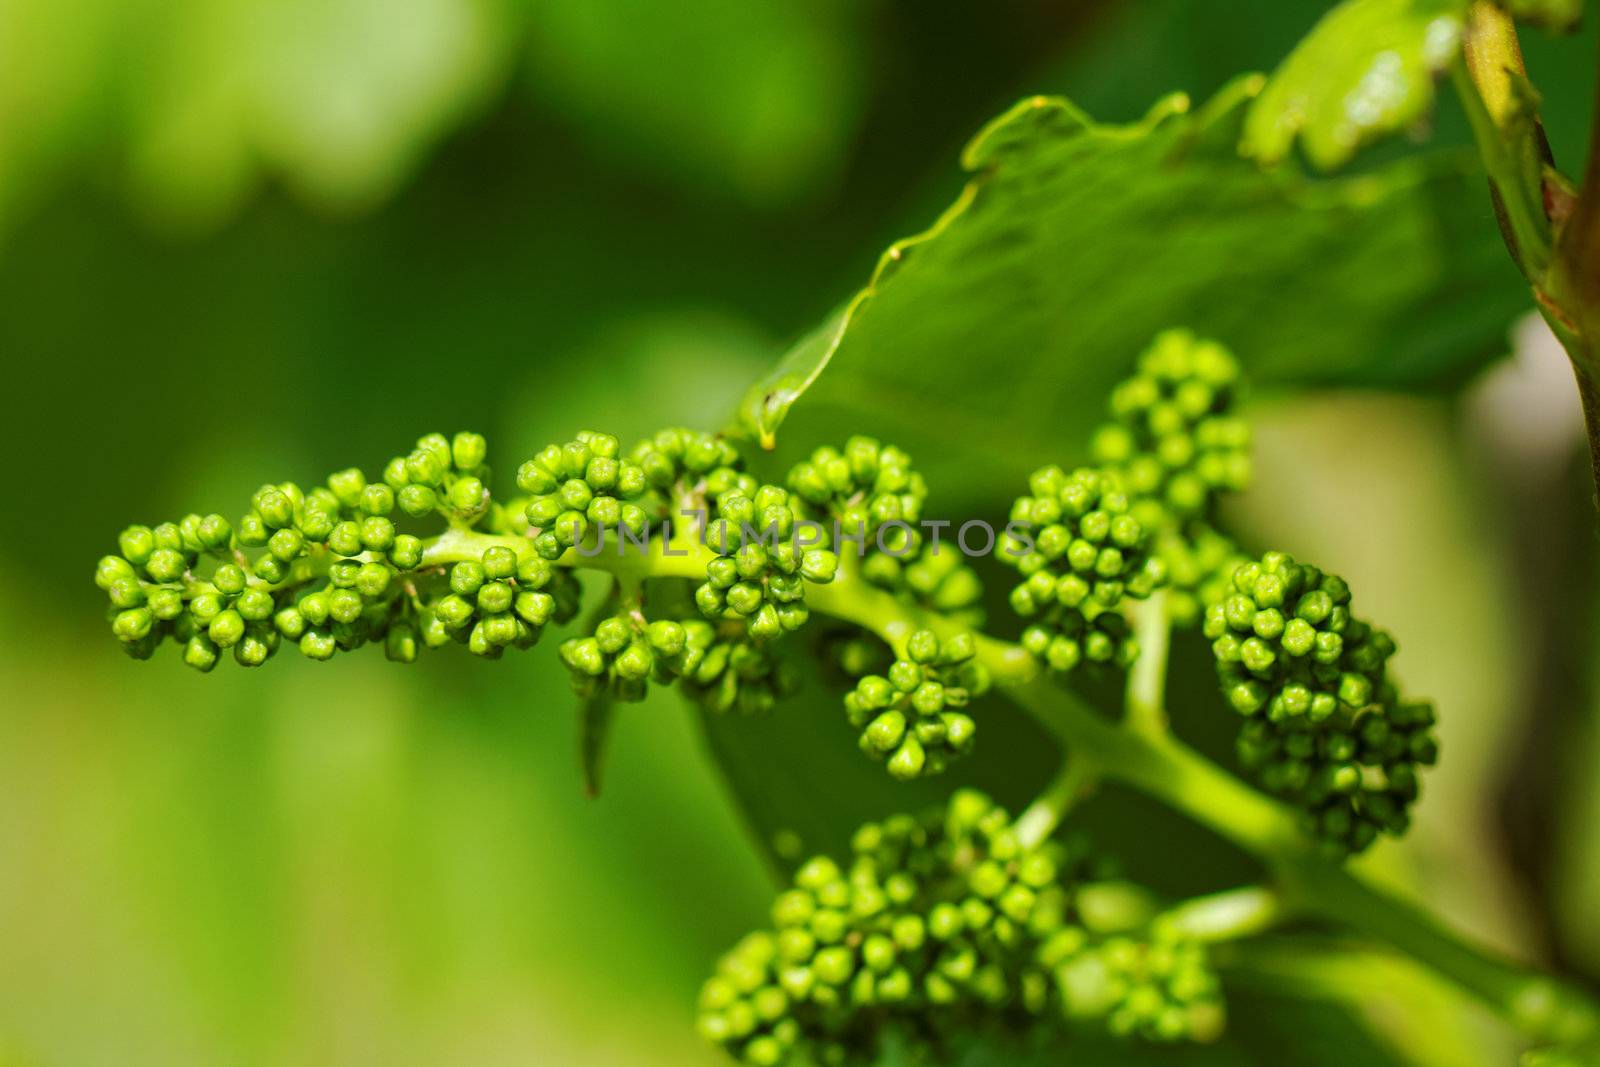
(1172, 435)
(330, 568)
(1080, 552)
(1326, 726)
(872, 499)
(1174, 438)
(912, 717)
(426, 556)
(937, 926)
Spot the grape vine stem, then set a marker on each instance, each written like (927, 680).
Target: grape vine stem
(1541, 1007)
(1552, 232)
(1152, 761)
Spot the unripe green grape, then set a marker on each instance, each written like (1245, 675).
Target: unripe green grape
(200, 653)
(468, 495)
(406, 552)
(418, 501)
(318, 644)
(372, 580)
(112, 569)
(453, 610)
(290, 622)
(255, 647)
(468, 451)
(166, 604)
(376, 499)
(347, 486)
(133, 624)
(377, 533)
(345, 538)
(205, 606)
(166, 565)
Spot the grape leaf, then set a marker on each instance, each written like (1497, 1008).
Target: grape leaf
(987, 344)
(1365, 71)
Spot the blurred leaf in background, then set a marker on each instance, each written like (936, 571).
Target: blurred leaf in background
(756, 100)
(197, 102)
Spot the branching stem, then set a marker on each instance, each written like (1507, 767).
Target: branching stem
(1040, 819)
(1161, 766)
(1540, 1007)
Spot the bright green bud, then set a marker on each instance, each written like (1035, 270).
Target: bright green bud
(499, 562)
(468, 451)
(418, 501)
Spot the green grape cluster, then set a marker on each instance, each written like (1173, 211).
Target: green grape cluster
(1087, 553)
(498, 601)
(441, 475)
(937, 926)
(717, 665)
(864, 487)
(153, 591)
(730, 671)
(624, 654)
(761, 566)
(581, 487)
(1326, 726)
(875, 497)
(1172, 435)
(912, 717)
(1176, 445)
(330, 569)
(686, 468)
(1159, 987)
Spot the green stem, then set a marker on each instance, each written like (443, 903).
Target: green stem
(1146, 701)
(1540, 1007)
(850, 598)
(1527, 231)
(1229, 915)
(1166, 769)
(659, 559)
(1040, 819)
(1579, 246)
(1563, 267)
(1574, 289)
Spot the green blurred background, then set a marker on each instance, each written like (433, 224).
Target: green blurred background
(244, 240)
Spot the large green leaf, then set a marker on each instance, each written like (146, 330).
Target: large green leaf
(1364, 72)
(987, 344)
